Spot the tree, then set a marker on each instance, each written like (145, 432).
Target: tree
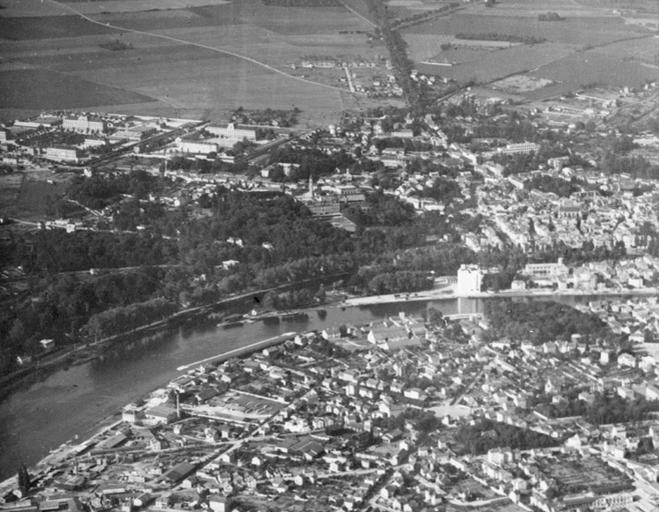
(320, 294)
(540, 322)
(435, 316)
(17, 332)
(269, 300)
(24, 481)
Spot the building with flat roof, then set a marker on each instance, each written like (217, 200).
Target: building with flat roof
(219, 503)
(41, 121)
(196, 147)
(323, 208)
(569, 209)
(133, 133)
(546, 270)
(232, 131)
(520, 148)
(161, 414)
(350, 194)
(179, 472)
(83, 124)
(390, 337)
(63, 154)
(470, 280)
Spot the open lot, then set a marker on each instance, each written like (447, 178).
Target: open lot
(238, 406)
(10, 188)
(173, 62)
(521, 84)
(28, 195)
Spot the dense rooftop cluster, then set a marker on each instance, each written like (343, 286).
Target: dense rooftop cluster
(405, 414)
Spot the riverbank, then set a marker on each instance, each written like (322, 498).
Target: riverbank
(443, 294)
(72, 446)
(79, 399)
(238, 352)
(82, 353)
(88, 352)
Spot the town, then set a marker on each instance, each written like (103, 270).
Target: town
(576, 201)
(434, 413)
(544, 397)
(524, 406)
(329, 255)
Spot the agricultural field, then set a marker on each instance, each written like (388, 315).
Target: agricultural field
(572, 8)
(26, 8)
(641, 50)
(402, 8)
(47, 27)
(201, 60)
(592, 68)
(581, 32)
(589, 45)
(485, 66)
(39, 89)
(640, 6)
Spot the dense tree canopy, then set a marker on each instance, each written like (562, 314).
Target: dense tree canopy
(541, 321)
(558, 186)
(122, 319)
(481, 437)
(101, 190)
(58, 251)
(604, 408)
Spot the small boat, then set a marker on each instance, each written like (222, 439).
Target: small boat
(231, 325)
(271, 320)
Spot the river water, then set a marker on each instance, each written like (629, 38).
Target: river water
(75, 401)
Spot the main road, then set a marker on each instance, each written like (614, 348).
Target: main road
(449, 294)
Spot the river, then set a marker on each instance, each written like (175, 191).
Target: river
(75, 401)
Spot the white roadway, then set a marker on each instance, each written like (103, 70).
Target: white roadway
(235, 351)
(199, 45)
(439, 294)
